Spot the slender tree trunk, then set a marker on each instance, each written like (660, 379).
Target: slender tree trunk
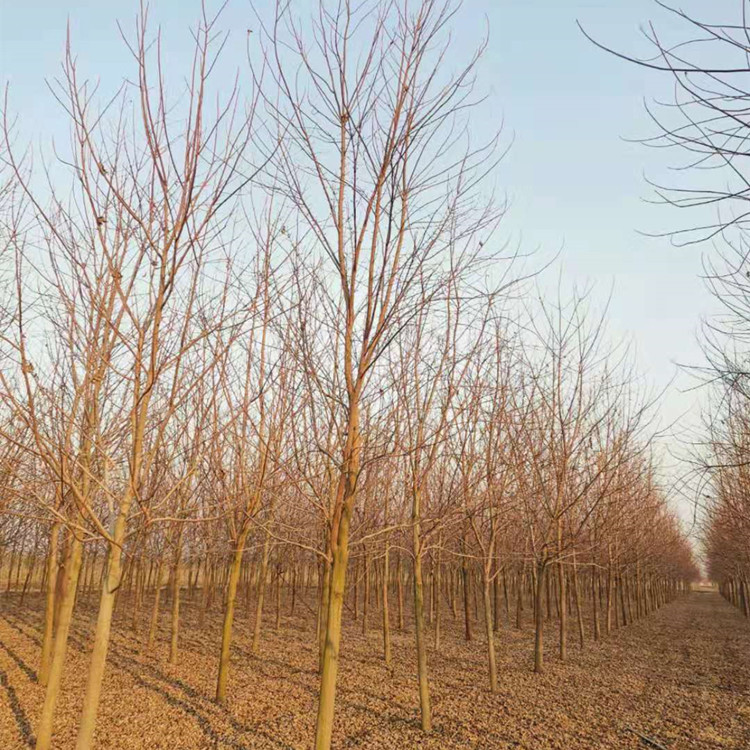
(419, 629)
(548, 597)
(92, 571)
(400, 591)
(539, 619)
(155, 610)
(489, 627)
(226, 631)
(577, 600)
(66, 599)
(278, 597)
(30, 571)
(609, 600)
(49, 610)
(519, 602)
(474, 594)
(261, 593)
(386, 615)
(467, 613)
(438, 584)
(454, 582)
(20, 566)
(326, 702)
(355, 592)
(638, 591)
(136, 596)
(294, 587)
(431, 589)
(112, 581)
(325, 595)
(207, 588)
(175, 621)
(596, 593)
(562, 604)
(366, 597)
(504, 573)
(12, 562)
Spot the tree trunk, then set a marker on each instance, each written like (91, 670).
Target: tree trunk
(548, 597)
(175, 622)
(112, 581)
(596, 592)
(66, 599)
(400, 590)
(355, 592)
(278, 597)
(226, 631)
(539, 619)
(30, 571)
(137, 596)
(563, 607)
(609, 600)
(261, 593)
(467, 614)
(329, 672)
(386, 615)
(49, 611)
(294, 588)
(12, 562)
(155, 611)
(366, 596)
(519, 602)
(454, 579)
(496, 603)
(424, 688)
(577, 601)
(325, 595)
(438, 584)
(489, 627)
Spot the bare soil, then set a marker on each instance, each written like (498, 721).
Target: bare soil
(680, 678)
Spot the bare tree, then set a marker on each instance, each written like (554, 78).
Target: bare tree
(371, 154)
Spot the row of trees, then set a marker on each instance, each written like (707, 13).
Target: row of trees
(727, 526)
(707, 124)
(486, 551)
(271, 341)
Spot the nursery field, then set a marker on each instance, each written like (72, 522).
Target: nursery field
(304, 445)
(677, 679)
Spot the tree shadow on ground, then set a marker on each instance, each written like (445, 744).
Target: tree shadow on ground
(22, 721)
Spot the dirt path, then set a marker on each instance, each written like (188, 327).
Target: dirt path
(681, 678)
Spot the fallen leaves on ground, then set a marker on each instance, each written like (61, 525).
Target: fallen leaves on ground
(680, 677)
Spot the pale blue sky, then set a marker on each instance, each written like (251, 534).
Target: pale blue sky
(573, 181)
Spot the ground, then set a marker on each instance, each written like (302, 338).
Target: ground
(680, 678)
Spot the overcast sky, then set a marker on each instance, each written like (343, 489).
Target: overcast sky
(574, 181)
